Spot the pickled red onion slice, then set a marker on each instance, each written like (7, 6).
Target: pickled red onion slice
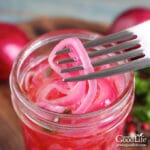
(107, 94)
(77, 97)
(80, 94)
(52, 107)
(72, 98)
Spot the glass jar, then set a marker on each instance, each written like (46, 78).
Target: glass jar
(46, 130)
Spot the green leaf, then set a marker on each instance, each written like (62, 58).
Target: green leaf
(48, 72)
(142, 113)
(49, 131)
(67, 111)
(141, 86)
(148, 100)
(146, 70)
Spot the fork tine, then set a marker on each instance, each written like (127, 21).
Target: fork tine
(119, 57)
(130, 66)
(76, 68)
(65, 50)
(65, 61)
(116, 37)
(109, 60)
(115, 48)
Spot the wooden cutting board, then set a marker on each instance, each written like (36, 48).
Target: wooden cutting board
(10, 131)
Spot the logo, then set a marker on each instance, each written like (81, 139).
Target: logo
(137, 140)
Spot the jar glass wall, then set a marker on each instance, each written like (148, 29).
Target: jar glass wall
(47, 130)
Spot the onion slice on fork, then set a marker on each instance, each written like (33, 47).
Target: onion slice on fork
(80, 95)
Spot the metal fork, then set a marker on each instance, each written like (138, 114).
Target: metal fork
(136, 38)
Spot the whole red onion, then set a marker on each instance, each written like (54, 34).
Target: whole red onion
(12, 40)
(130, 17)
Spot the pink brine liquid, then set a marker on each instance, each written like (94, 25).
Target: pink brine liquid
(44, 87)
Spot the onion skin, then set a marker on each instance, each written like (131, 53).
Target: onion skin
(129, 18)
(12, 40)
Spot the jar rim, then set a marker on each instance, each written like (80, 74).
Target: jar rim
(14, 84)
